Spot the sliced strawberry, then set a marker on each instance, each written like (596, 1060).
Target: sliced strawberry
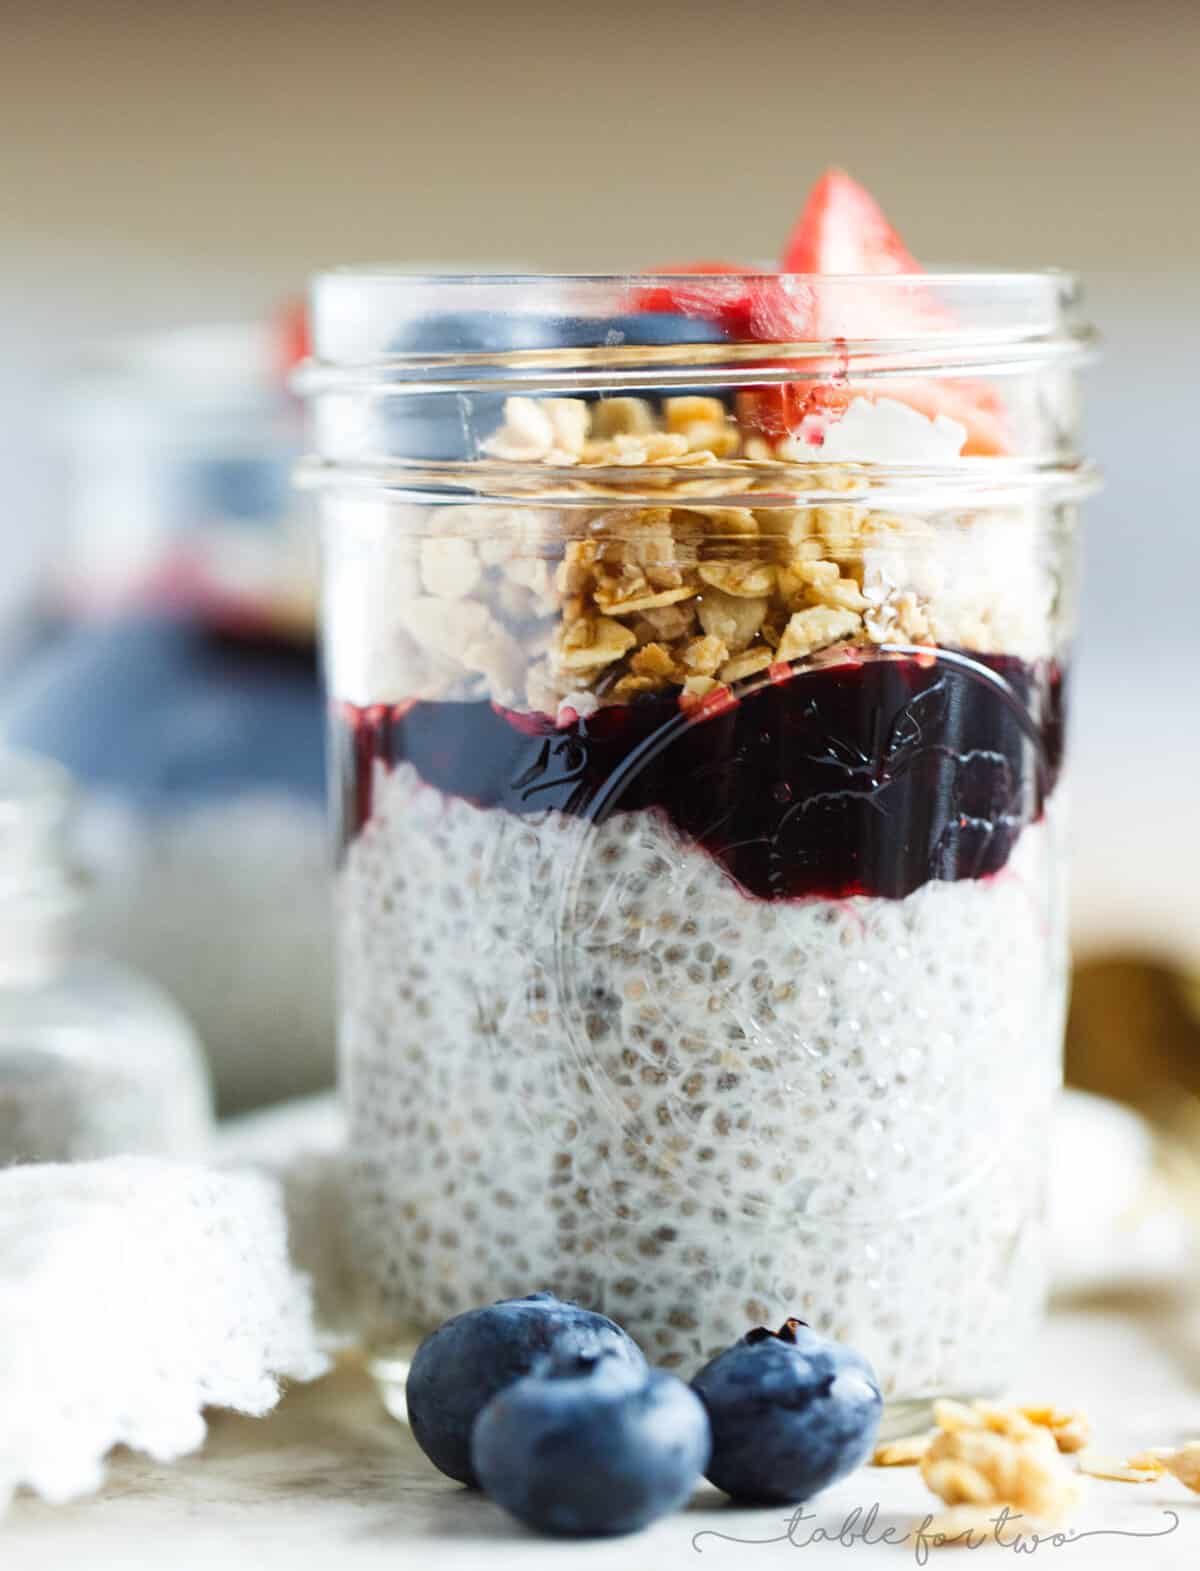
(843, 230)
(753, 308)
(291, 333)
(686, 299)
(780, 312)
(747, 309)
(792, 407)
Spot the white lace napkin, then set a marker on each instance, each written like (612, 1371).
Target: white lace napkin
(134, 1293)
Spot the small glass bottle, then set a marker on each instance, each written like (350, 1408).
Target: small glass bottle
(94, 1060)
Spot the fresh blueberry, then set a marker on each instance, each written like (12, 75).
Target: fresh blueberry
(461, 1366)
(641, 327)
(438, 427)
(655, 328)
(592, 1445)
(446, 428)
(482, 332)
(791, 1412)
(475, 332)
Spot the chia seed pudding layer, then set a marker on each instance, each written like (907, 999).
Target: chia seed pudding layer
(584, 1051)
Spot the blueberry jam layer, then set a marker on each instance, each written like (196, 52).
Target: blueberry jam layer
(868, 777)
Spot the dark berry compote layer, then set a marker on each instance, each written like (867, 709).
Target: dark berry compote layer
(870, 776)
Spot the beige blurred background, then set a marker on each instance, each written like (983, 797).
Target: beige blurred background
(262, 139)
(163, 164)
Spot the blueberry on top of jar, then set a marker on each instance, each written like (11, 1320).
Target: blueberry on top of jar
(475, 332)
(483, 332)
(447, 429)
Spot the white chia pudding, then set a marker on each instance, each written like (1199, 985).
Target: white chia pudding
(579, 1057)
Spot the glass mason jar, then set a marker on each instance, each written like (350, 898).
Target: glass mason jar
(696, 652)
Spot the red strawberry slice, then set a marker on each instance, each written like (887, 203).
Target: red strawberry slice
(685, 299)
(843, 230)
(755, 308)
(292, 340)
(790, 407)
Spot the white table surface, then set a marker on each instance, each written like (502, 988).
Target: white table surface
(329, 1481)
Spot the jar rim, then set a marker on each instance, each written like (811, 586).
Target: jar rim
(373, 272)
(422, 329)
(400, 360)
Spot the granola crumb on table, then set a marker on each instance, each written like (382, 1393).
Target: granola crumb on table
(1140, 1469)
(985, 1456)
(905, 1452)
(1184, 1464)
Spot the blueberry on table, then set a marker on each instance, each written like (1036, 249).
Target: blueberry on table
(461, 1366)
(791, 1412)
(591, 1445)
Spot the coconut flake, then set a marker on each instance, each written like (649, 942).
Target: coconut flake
(888, 432)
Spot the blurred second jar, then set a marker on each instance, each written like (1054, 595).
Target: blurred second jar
(696, 694)
(179, 686)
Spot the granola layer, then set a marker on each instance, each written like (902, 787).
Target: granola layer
(539, 605)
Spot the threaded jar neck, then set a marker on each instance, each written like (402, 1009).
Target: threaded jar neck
(509, 386)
